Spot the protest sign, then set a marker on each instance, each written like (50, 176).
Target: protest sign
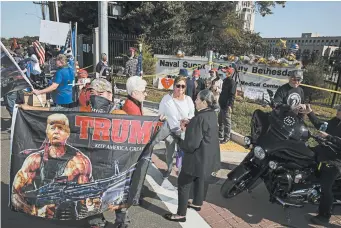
(68, 166)
(54, 33)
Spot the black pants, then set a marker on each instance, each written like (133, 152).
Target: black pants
(184, 187)
(121, 218)
(224, 120)
(328, 176)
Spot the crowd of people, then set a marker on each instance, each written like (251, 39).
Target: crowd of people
(198, 113)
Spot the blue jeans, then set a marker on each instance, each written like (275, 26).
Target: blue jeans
(10, 101)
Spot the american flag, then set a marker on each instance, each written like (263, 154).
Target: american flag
(40, 52)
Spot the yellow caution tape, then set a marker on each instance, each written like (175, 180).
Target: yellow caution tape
(284, 80)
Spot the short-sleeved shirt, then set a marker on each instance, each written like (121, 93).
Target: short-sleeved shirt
(63, 94)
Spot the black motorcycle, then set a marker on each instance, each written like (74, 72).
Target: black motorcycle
(281, 158)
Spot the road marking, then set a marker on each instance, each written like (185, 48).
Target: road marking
(168, 194)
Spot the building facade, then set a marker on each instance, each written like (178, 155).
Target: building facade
(246, 12)
(308, 43)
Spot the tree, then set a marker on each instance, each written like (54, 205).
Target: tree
(313, 75)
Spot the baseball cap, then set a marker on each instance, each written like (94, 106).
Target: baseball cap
(213, 70)
(101, 85)
(297, 74)
(196, 73)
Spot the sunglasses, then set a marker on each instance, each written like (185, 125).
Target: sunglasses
(296, 79)
(180, 86)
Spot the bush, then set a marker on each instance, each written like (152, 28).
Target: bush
(313, 75)
(149, 61)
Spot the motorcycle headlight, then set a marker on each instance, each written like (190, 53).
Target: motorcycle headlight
(247, 141)
(259, 152)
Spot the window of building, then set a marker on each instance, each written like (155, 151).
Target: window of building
(314, 41)
(310, 41)
(318, 41)
(322, 41)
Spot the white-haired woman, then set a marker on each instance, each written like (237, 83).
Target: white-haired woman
(136, 88)
(201, 155)
(176, 107)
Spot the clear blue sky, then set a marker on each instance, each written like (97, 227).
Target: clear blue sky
(301, 17)
(296, 18)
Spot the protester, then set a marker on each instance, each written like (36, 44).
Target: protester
(131, 64)
(331, 164)
(201, 155)
(35, 70)
(217, 85)
(136, 89)
(291, 95)
(213, 74)
(175, 107)
(102, 65)
(101, 102)
(61, 87)
(190, 85)
(199, 83)
(226, 101)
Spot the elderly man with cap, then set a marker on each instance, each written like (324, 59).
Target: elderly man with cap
(136, 88)
(330, 161)
(291, 95)
(131, 64)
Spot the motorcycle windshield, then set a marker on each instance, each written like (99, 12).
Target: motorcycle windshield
(289, 125)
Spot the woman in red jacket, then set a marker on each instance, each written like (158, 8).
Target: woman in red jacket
(136, 88)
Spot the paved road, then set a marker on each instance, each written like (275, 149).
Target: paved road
(160, 196)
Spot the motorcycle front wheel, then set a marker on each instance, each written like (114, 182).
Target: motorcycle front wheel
(237, 181)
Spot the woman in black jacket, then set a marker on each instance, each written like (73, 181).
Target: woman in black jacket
(201, 155)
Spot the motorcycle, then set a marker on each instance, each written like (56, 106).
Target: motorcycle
(281, 158)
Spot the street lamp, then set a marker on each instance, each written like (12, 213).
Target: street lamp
(34, 15)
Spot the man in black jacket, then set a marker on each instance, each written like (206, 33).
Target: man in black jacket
(226, 101)
(331, 163)
(291, 95)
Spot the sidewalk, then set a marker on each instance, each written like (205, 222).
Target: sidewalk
(247, 209)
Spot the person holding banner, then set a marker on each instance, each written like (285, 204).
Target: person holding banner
(136, 89)
(61, 87)
(100, 102)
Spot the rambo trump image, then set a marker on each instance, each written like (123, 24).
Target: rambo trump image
(56, 159)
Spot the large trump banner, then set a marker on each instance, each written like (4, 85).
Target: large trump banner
(68, 166)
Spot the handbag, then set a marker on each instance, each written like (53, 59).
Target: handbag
(178, 158)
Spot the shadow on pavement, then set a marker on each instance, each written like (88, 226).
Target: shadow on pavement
(5, 123)
(146, 193)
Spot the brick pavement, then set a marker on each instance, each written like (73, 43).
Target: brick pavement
(219, 216)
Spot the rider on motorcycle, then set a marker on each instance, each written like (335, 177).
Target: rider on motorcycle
(291, 95)
(330, 167)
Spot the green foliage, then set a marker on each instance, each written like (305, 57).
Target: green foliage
(193, 27)
(148, 60)
(314, 75)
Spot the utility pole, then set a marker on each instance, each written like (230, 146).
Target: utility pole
(103, 27)
(42, 5)
(52, 11)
